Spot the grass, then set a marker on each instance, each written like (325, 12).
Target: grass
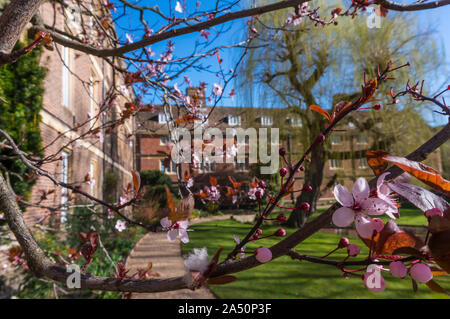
(286, 278)
(408, 217)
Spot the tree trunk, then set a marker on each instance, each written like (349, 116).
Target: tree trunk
(313, 177)
(13, 21)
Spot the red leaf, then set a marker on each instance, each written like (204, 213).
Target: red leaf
(376, 161)
(422, 172)
(321, 111)
(136, 180)
(213, 181)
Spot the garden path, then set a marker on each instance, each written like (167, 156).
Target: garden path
(167, 261)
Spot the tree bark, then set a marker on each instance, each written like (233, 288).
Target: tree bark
(13, 21)
(313, 177)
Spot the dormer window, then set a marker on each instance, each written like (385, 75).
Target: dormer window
(162, 118)
(234, 120)
(266, 120)
(295, 121)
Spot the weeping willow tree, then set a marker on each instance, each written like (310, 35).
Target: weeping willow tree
(325, 65)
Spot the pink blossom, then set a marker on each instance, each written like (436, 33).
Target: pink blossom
(198, 260)
(218, 90)
(110, 214)
(212, 193)
(383, 192)
(421, 273)
(241, 253)
(263, 254)
(190, 182)
(353, 250)
(354, 204)
(256, 193)
(398, 269)
(120, 225)
(176, 229)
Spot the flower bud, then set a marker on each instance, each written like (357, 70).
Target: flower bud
(353, 250)
(320, 138)
(433, 212)
(304, 206)
(283, 172)
(344, 242)
(280, 232)
(398, 269)
(376, 107)
(258, 231)
(281, 217)
(262, 184)
(263, 254)
(307, 188)
(302, 168)
(282, 151)
(421, 273)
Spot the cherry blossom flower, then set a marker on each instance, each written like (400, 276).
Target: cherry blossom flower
(383, 192)
(256, 193)
(354, 204)
(110, 214)
(178, 7)
(198, 260)
(421, 273)
(176, 229)
(190, 182)
(120, 225)
(212, 193)
(241, 253)
(217, 89)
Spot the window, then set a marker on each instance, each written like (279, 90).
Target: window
(207, 166)
(64, 179)
(162, 118)
(234, 120)
(171, 169)
(65, 83)
(335, 139)
(93, 174)
(163, 139)
(295, 121)
(241, 166)
(335, 163)
(363, 163)
(266, 120)
(361, 139)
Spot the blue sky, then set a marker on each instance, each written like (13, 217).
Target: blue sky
(232, 32)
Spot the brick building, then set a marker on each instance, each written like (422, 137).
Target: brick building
(75, 86)
(345, 162)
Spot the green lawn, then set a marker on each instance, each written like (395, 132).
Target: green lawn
(408, 216)
(285, 278)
